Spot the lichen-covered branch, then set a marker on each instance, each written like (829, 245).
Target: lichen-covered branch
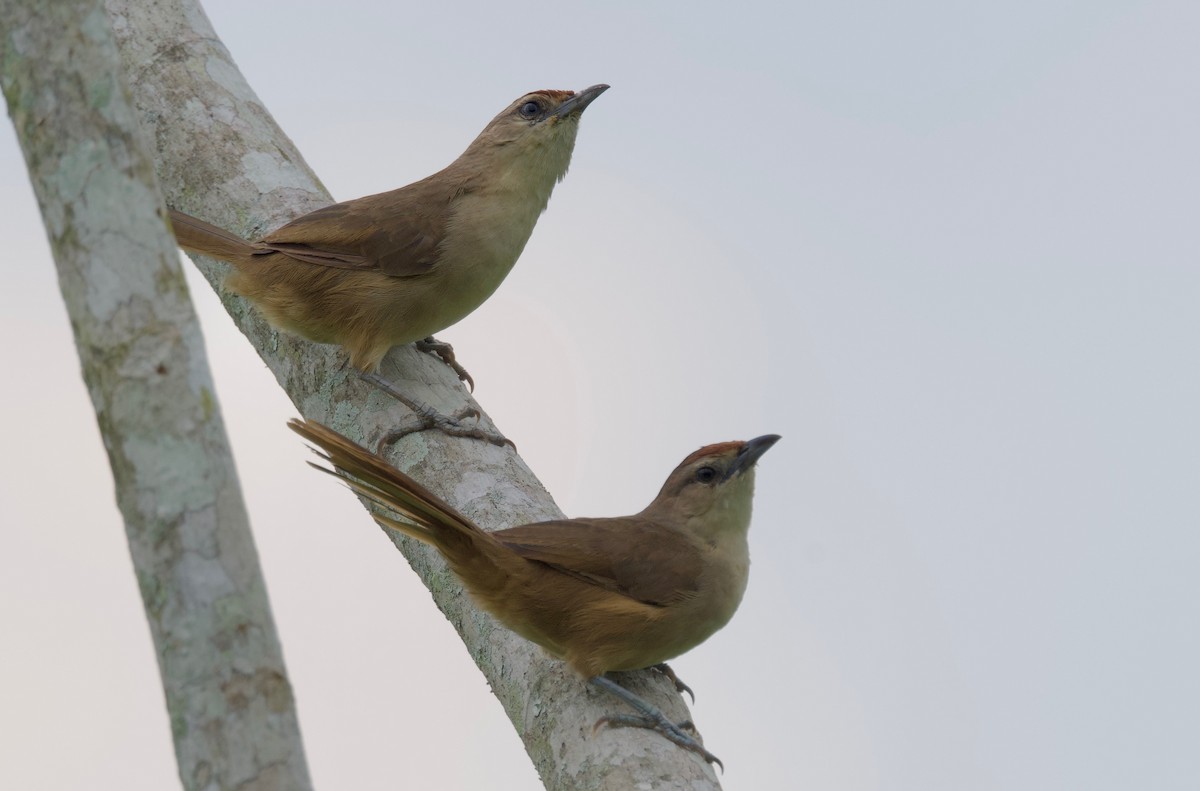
(233, 717)
(221, 157)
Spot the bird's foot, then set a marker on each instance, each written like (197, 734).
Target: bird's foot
(429, 418)
(445, 351)
(426, 418)
(680, 687)
(651, 718)
(672, 731)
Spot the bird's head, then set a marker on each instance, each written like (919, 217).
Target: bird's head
(537, 130)
(713, 487)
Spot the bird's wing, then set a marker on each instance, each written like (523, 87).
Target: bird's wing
(398, 233)
(633, 556)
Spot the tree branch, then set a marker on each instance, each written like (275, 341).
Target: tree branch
(233, 717)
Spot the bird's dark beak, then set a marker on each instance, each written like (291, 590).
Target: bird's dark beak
(579, 101)
(750, 453)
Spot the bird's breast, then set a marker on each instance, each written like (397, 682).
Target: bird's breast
(723, 584)
(484, 238)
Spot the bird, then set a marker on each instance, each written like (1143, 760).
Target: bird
(602, 594)
(397, 267)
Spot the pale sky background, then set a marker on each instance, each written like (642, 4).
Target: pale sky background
(947, 250)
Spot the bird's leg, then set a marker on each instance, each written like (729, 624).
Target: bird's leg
(429, 418)
(650, 717)
(432, 345)
(680, 687)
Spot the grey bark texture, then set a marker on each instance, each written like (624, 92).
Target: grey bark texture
(220, 156)
(233, 717)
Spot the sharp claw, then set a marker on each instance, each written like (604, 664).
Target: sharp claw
(463, 376)
(680, 687)
(445, 351)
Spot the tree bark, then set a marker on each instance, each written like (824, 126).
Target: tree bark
(221, 157)
(233, 717)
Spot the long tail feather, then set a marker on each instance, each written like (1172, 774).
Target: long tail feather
(371, 476)
(195, 234)
(421, 532)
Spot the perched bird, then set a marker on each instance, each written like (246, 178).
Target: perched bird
(619, 593)
(396, 267)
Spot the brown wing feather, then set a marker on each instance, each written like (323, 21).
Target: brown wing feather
(399, 232)
(635, 557)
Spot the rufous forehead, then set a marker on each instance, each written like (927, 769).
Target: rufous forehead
(556, 95)
(717, 450)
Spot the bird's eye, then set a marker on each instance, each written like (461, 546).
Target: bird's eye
(530, 109)
(706, 475)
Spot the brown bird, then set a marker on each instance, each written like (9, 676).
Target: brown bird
(397, 267)
(608, 594)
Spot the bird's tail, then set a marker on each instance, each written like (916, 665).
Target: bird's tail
(202, 237)
(433, 521)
